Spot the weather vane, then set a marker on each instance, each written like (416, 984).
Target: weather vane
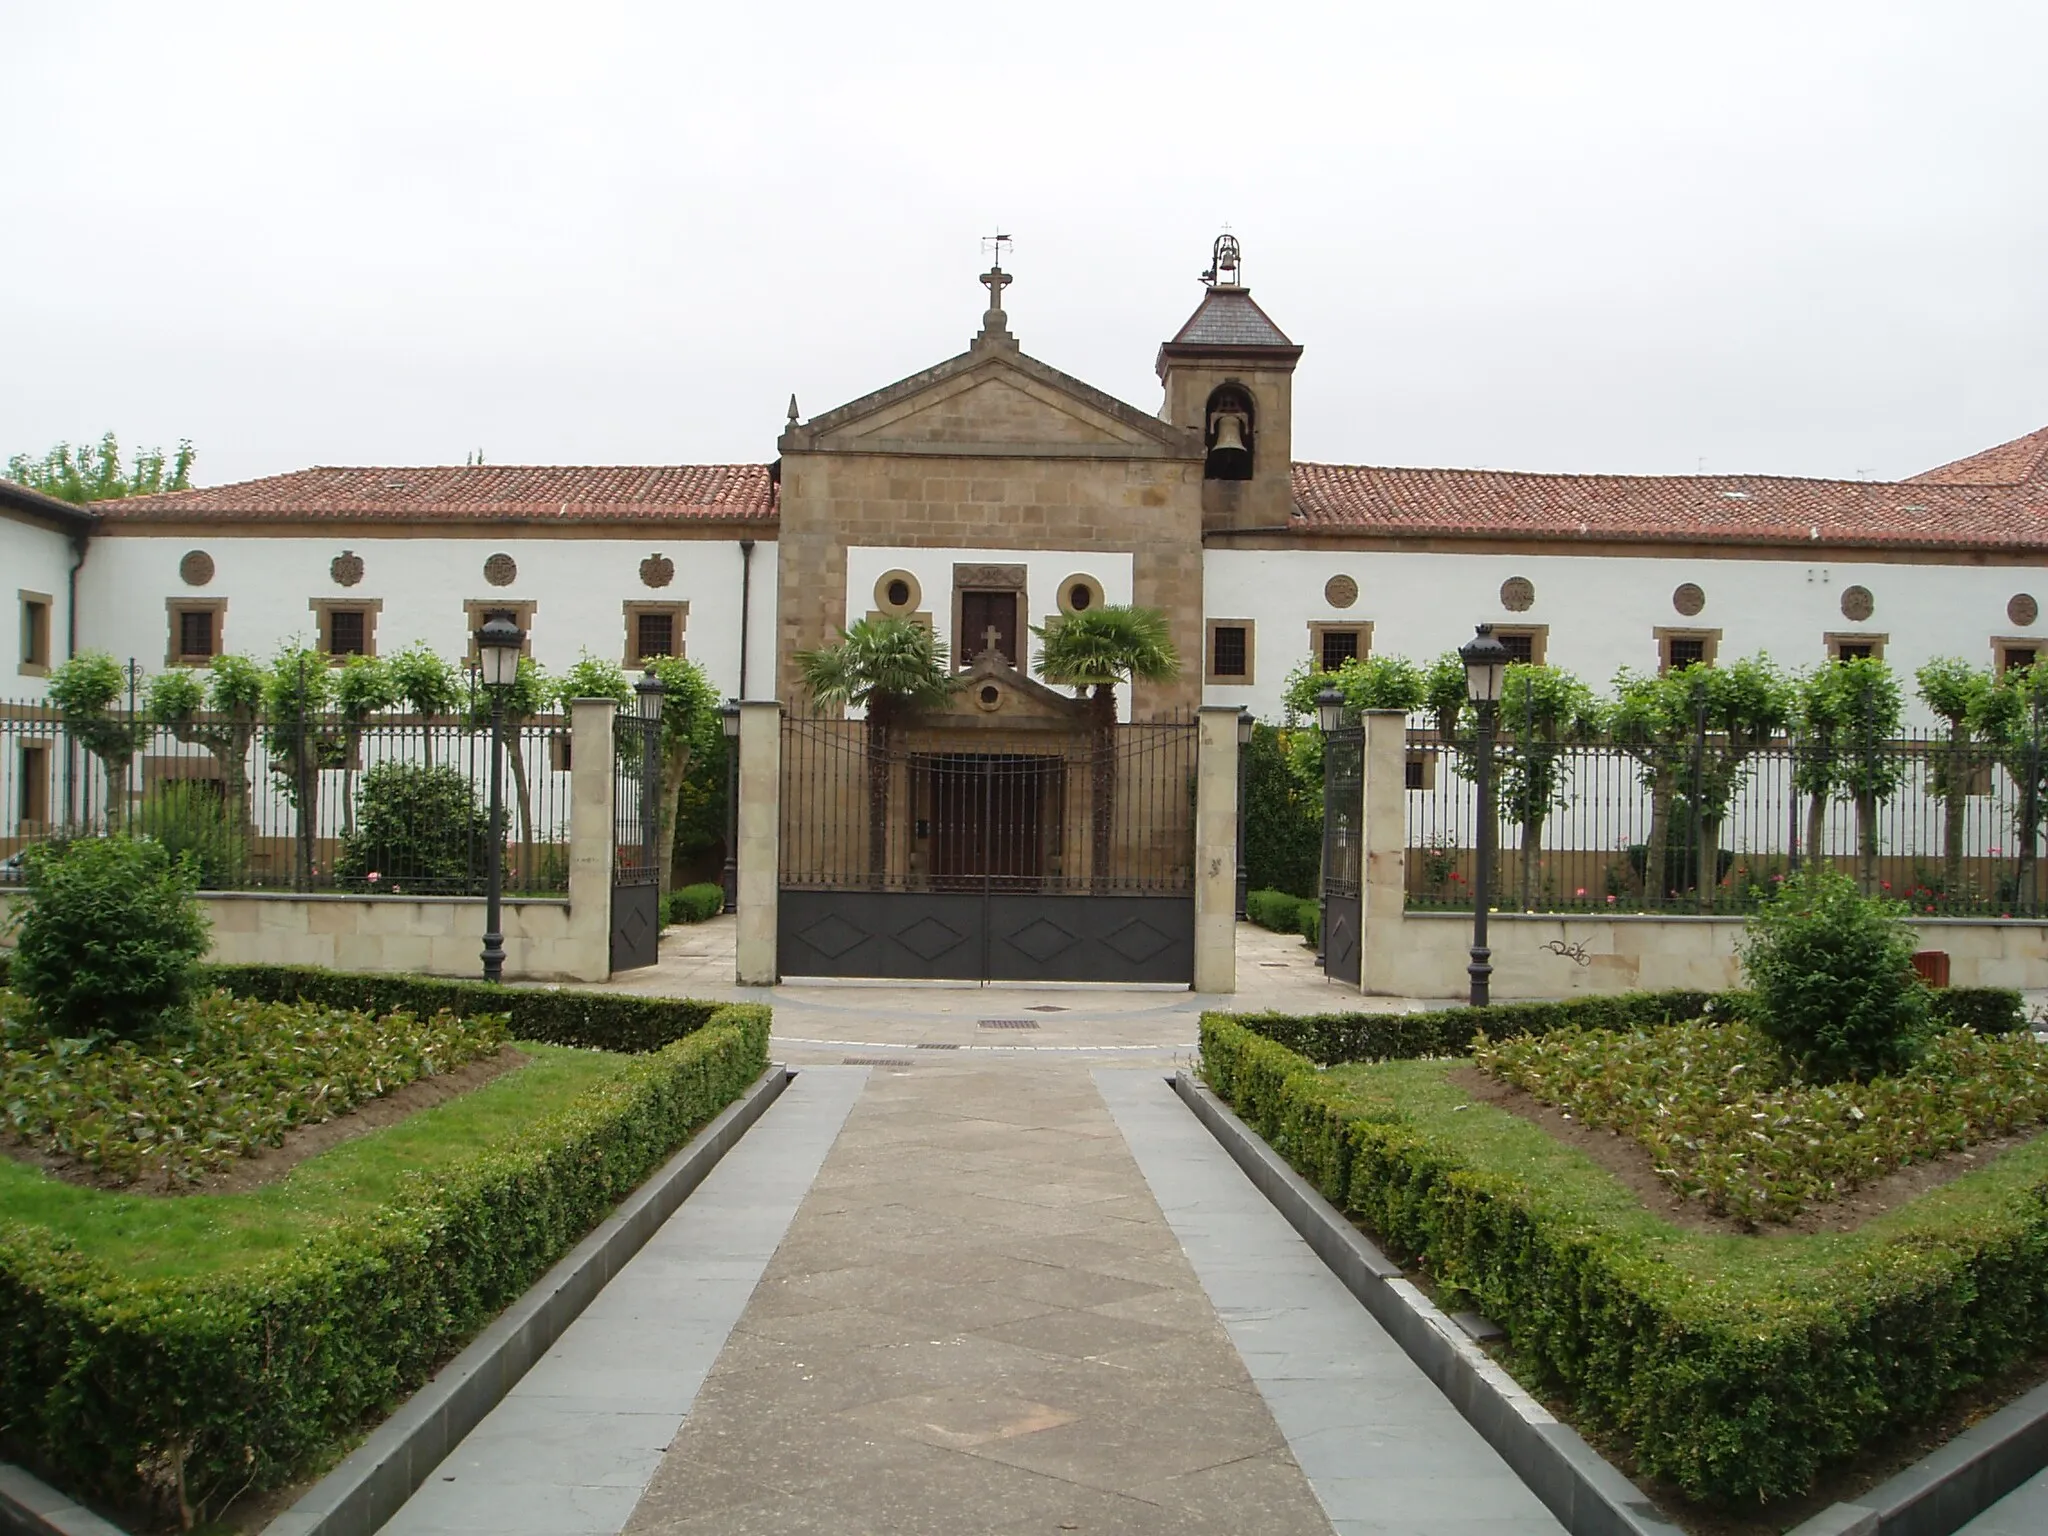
(995, 279)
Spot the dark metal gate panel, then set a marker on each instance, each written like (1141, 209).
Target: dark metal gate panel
(1060, 857)
(636, 881)
(1343, 853)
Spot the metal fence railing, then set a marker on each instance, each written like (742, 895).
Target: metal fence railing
(393, 804)
(1704, 825)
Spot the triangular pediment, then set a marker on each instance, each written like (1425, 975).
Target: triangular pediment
(996, 401)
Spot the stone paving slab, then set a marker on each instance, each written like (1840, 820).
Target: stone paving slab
(570, 1449)
(979, 1322)
(2023, 1512)
(1385, 1452)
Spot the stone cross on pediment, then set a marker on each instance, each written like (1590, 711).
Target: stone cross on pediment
(995, 280)
(992, 640)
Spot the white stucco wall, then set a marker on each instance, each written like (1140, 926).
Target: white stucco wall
(1045, 572)
(33, 558)
(579, 587)
(1602, 611)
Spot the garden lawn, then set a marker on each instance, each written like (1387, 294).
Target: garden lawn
(153, 1236)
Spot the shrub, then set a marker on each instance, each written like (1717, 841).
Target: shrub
(1284, 913)
(1737, 1381)
(602, 1021)
(1832, 974)
(190, 818)
(417, 827)
(1308, 920)
(110, 937)
(246, 1378)
(236, 1077)
(1330, 1038)
(693, 903)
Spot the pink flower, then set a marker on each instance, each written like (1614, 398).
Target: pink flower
(1610, 901)
(1580, 891)
(373, 877)
(1996, 852)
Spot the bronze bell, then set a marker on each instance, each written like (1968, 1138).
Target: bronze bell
(1229, 427)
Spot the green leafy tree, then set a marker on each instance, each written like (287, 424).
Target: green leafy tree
(425, 683)
(90, 691)
(1444, 694)
(1283, 816)
(93, 471)
(363, 689)
(1833, 975)
(302, 739)
(1367, 682)
(2011, 718)
(689, 732)
(1850, 713)
(1543, 711)
(894, 670)
(1092, 652)
(1692, 733)
(218, 708)
(1955, 691)
(110, 936)
(420, 828)
(533, 693)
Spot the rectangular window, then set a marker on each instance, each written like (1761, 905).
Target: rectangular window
(654, 629)
(1678, 649)
(1526, 643)
(1339, 646)
(1417, 775)
(1856, 647)
(347, 632)
(1230, 651)
(196, 630)
(475, 611)
(35, 634)
(988, 621)
(32, 807)
(2014, 655)
(1331, 645)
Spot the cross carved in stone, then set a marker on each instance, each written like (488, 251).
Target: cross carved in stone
(995, 280)
(992, 640)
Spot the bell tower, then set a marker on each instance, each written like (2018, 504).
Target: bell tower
(1229, 374)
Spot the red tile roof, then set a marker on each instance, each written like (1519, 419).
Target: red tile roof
(2014, 463)
(1333, 499)
(484, 492)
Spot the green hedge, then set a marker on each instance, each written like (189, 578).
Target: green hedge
(693, 903)
(1284, 913)
(1330, 1038)
(605, 1021)
(1736, 1373)
(247, 1378)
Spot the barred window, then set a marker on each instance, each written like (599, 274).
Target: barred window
(347, 633)
(1339, 646)
(655, 635)
(1231, 650)
(195, 632)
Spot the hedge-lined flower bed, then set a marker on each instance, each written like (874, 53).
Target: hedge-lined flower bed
(231, 1077)
(1728, 1125)
(1735, 1367)
(167, 1388)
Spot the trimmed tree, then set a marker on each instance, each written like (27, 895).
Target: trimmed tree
(892, 669)
(1092, 652)
(217, 708)
(1955, 691)
(1543, 711)
(2010, 717)
(1851, 711)
(89, 691)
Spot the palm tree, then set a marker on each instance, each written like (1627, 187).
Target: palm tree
(1097, 649)
(893, 669)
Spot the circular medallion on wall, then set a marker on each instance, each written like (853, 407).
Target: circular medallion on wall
(501, 570)
(1518, 594)
(346, 568)
(2022, 610)
(196, 569)
(657, 571)
(1079, 594)
(898, 594)
(1340, 591)
(1689, 599)
(1857, 604)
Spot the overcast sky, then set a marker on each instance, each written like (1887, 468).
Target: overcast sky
(1796, 237)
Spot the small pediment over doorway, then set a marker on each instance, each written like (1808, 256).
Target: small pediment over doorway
(994, 695)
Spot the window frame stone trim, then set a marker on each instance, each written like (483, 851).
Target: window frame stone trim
(175, 608)
(24, 666)
(323, 609)
(1246, 679)
(678, 612)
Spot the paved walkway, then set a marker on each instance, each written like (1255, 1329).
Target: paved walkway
(2023, 1512)
(977, 1318)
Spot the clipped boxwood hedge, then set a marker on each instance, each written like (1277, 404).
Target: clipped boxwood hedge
(125, 1389)
(1738, 1381)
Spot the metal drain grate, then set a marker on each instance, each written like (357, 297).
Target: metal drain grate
(1008, 1023)
(875, 1061)
(937, 1045)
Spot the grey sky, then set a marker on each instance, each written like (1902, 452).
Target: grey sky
(1801, 236)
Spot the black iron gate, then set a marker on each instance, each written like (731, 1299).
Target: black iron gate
(1054, 858)
(636, 874)
(1343, 852)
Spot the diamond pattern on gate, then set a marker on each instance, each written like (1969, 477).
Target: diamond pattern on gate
(833, 936)
(1138, 941)
(928, 938)
(1042, 938)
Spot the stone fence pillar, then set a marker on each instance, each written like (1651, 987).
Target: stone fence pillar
(591, 850)
(760, 826)
(1383, 883)
(1216, 848)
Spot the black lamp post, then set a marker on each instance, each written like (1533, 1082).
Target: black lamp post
(1486, 664)
(1244, 740)
(1330, 716)
(729, 720)
(497, 647)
